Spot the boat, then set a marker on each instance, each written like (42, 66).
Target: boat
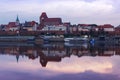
(52, 38)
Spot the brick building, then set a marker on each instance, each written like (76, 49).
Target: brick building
(44, 20)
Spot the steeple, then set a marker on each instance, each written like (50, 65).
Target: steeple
(17, 20)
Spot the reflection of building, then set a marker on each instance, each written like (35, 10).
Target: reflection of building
(44, 59)
(56, 52)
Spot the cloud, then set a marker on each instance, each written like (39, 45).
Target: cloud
(70, 66)
(79, 66)
(75, 11)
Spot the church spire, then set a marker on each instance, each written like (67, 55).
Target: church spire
(17, 19)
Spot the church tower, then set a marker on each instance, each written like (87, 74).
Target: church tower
(42, 17)
(17, 21)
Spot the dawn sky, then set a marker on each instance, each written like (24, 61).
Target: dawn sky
(74, 11)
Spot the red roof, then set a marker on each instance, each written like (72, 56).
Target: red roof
(46, 20)
(53, 20)
(106, 26)
(83, 25)
(30, 23)
(66, 23)
(12, 24)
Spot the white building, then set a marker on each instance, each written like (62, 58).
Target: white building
(55, 28)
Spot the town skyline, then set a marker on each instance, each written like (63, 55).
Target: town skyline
(38, 21)
(77, 11)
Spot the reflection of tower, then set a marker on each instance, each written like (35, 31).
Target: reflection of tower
(44, 59)
(17, 57)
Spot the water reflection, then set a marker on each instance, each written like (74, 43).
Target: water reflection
(57, 51)
(63, 60)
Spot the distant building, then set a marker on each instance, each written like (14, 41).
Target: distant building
(83, 27)
(13, 26)
(43, 17)
(30, 26)
(117, 30)
(67, 24)
(86, 27)
(3, 27)
(106, 28)
(54, 28)
(45, 21)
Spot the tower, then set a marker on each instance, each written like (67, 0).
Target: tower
(42, 17)
(17, 21)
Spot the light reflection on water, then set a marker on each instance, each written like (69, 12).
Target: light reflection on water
(58, 61)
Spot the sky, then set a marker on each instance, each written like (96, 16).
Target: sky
(74, 11)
